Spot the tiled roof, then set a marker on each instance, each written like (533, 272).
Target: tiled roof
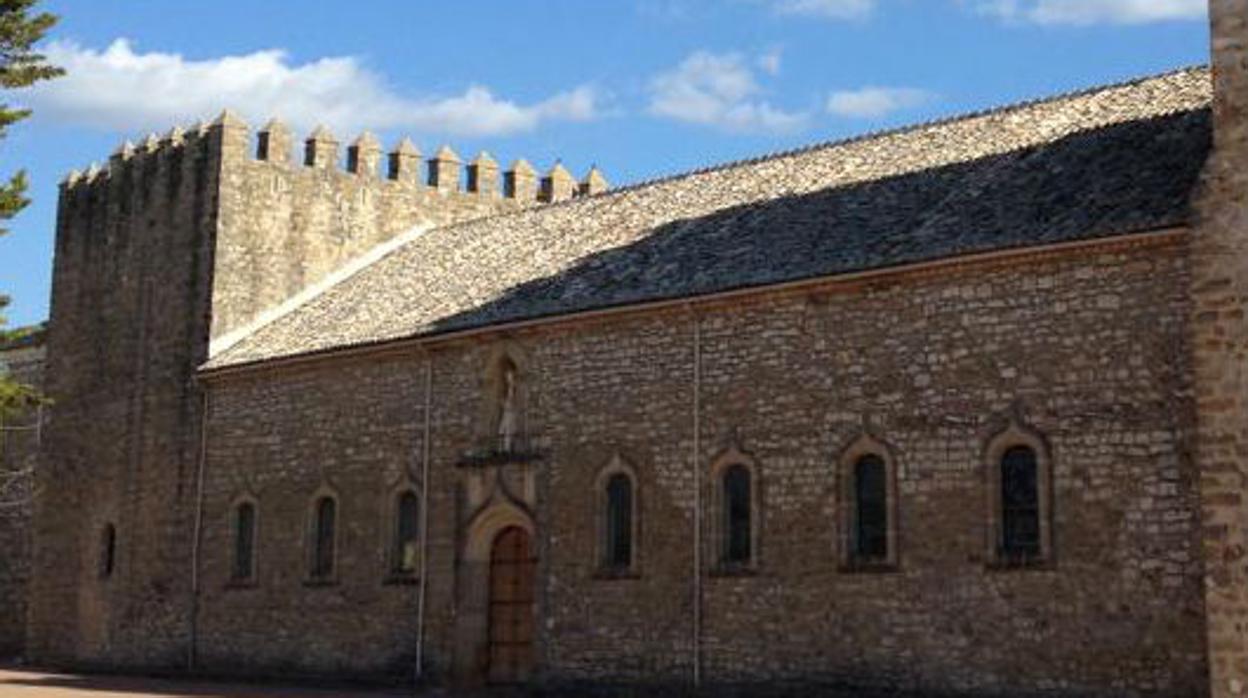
(1108, 161)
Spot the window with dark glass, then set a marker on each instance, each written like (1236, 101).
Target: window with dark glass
(871, 509)
(323, 539)
(737, 515)
(619, 529)
(1020, 504)
(108, 550)
(244, 541)
(407, 534)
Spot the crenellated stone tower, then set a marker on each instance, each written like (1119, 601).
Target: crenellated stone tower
(182, 242)
(1220, 349)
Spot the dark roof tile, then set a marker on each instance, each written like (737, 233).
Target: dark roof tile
(1105, 162)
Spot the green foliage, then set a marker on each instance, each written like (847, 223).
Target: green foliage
(20, 66)
(15, 399)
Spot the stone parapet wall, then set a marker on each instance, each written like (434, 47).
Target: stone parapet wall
(286, 225)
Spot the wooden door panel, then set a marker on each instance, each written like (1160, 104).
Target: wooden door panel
(512, 623)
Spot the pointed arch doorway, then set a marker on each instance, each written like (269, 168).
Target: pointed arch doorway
(511, 606)
(497, 636)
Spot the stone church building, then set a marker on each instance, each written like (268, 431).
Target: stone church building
(957, 408)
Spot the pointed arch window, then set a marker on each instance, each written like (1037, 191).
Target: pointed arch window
(108, 550)
(1020, 505)
(734, 513)
(244, 569)
(324, 539)
(871, 509)
(868, 506)
(619, 523)
(405, 555)
(616, 521)
(737, 512)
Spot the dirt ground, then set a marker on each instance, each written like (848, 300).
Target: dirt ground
(23, 683)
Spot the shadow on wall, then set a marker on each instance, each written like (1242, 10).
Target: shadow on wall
(1124, 178)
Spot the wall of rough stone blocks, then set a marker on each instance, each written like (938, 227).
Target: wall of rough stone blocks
(1087, 347)
(20, 434)
(127, 327)
(177, 238)
(285, 225)
(1219, 337)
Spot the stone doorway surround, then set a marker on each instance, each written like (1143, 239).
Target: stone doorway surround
(472, 651)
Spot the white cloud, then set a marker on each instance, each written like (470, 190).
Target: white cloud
(718, 90)
(769, 62)
(126, 90)
(1084, 12)
(826, 9)
(875, 102)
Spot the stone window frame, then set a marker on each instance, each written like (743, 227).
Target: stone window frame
(603, 569)
(392, 507)
(862, 446)
(717, 511)
(995, 449)
(311, 578)
(235, 506)
(106, 563)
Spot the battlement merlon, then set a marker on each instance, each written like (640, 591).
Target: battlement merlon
(274, 141)
(275, 224)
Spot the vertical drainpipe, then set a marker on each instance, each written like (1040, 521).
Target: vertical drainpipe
(199, 521)
(697, 499)
(424, 523)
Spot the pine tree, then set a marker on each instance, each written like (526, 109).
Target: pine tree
(20, 66)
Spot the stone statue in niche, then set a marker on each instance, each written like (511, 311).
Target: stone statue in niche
(508, 417)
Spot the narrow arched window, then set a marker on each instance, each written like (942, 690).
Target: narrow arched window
(406, 554)
(870, 508)
(323, 538)
(619, 523)
(244, 541)
(737, 504)
(1020, 504)
(108, 550)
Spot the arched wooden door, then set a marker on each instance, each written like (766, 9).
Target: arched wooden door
(512, 566)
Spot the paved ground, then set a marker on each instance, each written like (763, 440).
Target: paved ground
(22, 683)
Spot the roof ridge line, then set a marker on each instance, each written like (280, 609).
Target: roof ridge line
(311, 292)
(910, 128)
(848, 140)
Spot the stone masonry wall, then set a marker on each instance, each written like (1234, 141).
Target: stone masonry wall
(1219, 341)
(129, 298)
(1219, 337)
(285, 225)
(19, 445)
(1086, 347)
(180, 238)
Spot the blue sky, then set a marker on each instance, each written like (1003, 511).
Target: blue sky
(639, 88)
